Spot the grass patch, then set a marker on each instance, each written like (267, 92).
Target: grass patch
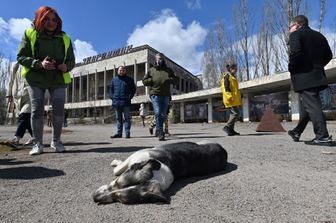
(5, 149)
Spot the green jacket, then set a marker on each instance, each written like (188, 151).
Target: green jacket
(45, 45)
(160, 79)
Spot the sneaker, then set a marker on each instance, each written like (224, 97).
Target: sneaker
(161, 137)
(37, 149)
(14, 142)
(128, 136)
(116, 136)
(30, 142)
(322, 141)
(58, 146)
(151, 131)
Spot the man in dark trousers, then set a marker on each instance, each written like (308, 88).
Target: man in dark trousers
(309, 52)
(122, 91)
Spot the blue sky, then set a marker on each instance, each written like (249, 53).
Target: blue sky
(176, 27)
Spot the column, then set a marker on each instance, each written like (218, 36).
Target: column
(104, 86)
(182, 112)
(246, 110)
(180, 84)
(146, 70)
(104, 114)
(293, 104)
(87, 87)
(210, 110)
(96, 86)
(80, 86)
(135, 72)
(73, 90)
(66, 94)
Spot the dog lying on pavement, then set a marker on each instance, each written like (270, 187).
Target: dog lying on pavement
(146, 174)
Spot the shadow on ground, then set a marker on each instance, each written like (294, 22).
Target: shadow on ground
(84, 143)
(29, 173)
(12, 162)
(261, 134)
(108, 150)
(327, 144)
(178, 185)
(172, 137)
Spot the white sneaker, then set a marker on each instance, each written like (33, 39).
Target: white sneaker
(58, 146)
(30, 142)
(37, 149)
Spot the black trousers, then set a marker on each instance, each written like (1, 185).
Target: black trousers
(310, 108)
(23, 125)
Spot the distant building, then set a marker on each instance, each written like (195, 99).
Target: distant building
(88, 94)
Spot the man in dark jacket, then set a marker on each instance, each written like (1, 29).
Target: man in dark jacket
(122, 90)
(309, 52)
(159, 78)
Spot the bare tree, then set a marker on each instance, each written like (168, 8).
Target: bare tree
(333, 46)
(262, 50)
(219, 52)
(283, 12)
(4, 74)
(243, 22)
(322, 14)
(210, 76)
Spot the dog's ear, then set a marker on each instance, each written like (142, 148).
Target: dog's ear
(154, 193)
(155, 197)
(153, 164)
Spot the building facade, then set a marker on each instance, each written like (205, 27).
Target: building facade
(88, 94)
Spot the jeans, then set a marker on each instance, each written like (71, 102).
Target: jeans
(57, 97)
(160, 106)
(234, 115)
(23, 125)
(127, 120)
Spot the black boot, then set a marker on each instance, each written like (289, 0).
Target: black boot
(228, 131)
(235, 133)
(161, 136)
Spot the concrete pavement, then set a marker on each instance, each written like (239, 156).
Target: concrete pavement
(269, 178)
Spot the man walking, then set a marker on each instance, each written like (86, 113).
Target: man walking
(309, 52)
(159, 78)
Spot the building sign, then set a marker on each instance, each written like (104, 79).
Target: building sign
(109, 54)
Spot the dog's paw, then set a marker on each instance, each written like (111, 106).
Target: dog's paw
(115, 162)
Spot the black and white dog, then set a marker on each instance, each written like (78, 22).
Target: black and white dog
(144, 175)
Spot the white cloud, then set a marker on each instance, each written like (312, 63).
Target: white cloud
(3, 31)
(82, 50)
(11, 33)
(3, 26)
(194, 4)
(166, 34)
(17, 27)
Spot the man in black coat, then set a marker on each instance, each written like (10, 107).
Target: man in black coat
(309, 52)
